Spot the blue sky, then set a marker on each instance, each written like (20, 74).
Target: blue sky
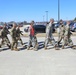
(27, 10)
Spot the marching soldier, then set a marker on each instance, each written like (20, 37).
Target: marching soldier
(14, 39)
(67, 38)
(18, 34)
(49, 36)
(4, 37)
(32, 37)
(61, 33)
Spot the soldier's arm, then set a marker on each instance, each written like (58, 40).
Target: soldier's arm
(11, 32)
(21, 32)
(47, 31)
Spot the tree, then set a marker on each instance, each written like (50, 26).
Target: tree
(75, 19)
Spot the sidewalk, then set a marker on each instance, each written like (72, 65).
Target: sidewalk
(41, 62)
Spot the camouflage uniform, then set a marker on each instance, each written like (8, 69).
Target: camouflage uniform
(18, 35)
(49, 36)
(61, 35)
(67, 38)
(14, 39)
(5, 40)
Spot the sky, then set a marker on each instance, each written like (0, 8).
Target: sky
(27, 10)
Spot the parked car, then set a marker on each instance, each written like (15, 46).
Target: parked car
(38, 28)
(9, 26)
(73, 27)
(1, 26)
(56, 25)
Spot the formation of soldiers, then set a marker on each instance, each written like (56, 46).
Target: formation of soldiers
(15, 35)
(64, 34)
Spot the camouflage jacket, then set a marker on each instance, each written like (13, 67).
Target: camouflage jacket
(62, 30)
(67, 30)
(4, 32)
(18, 32)
(13, 32)
(49, 30)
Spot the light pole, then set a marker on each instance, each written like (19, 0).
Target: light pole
(58, 10)
(46, 16)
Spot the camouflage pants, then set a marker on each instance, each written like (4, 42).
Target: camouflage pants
(68, 41)
(51, 40)
(14, 43)
(60, 38)
(5, 40)
(32, 41)
(19, 39)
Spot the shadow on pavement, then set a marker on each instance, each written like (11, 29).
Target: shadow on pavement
(4, 49)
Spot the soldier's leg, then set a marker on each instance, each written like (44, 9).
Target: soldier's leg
(34, 43)
(53, 41)
(2, 42)
(7, 42)
(46, 42)
(66, 40)
(63, 43)
(21, 41)
(70, 42)
(29, 43)
(12, 45)
(16, 44)
(59, 40)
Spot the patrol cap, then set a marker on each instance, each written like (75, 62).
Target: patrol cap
(32, 22)
(51, 19)
(61, 20)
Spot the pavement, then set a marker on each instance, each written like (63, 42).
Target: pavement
(41, 62)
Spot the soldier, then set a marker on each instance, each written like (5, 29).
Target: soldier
(67, 38)
(14, 39)
(61, 33)
(4, 37)
(18, 34)
(32, 37)
(49, 36)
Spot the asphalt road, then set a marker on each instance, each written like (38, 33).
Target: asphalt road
(41, 62)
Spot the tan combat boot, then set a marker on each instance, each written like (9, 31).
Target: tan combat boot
(12, 49)
(62, 47)
(16, 49)
(45, 48)
(28, 48)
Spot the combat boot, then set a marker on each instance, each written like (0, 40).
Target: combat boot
(28, 48)
(35, 48)
(56, 47)
(12, 49)
(16, 49)
(45, 47)
(62, 47)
